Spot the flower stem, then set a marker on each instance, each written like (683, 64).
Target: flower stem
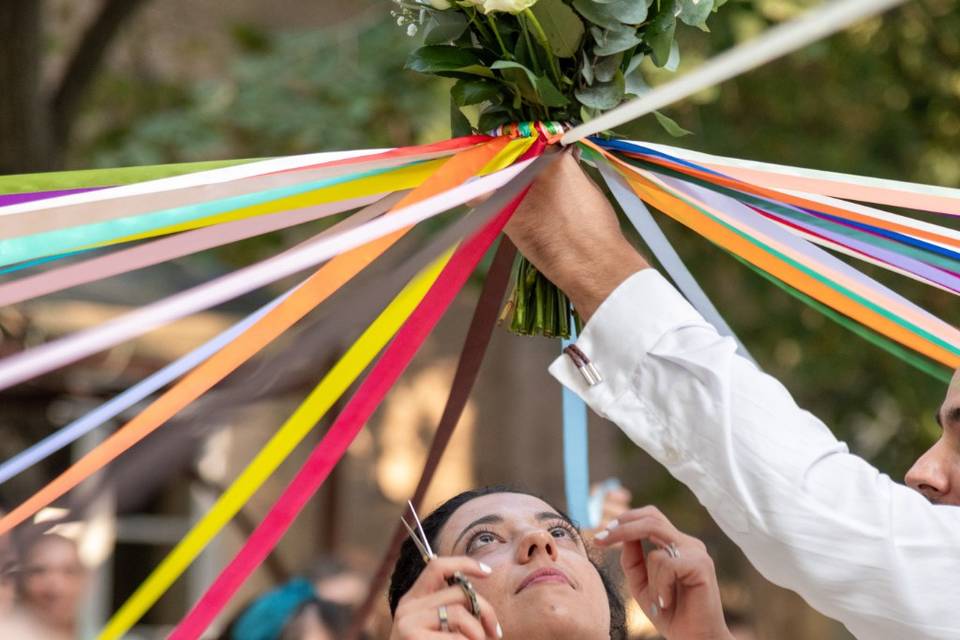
(479, 25)
(503, 47)
(545, 43)
(533, 52)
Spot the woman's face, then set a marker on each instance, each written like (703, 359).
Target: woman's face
(543, 585)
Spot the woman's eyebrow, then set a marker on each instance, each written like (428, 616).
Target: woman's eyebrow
(550, 515)
(489, 519)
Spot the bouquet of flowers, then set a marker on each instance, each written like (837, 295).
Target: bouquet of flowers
(565, 61)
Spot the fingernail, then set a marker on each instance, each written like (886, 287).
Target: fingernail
(499, 631)
(601, 535)
(487, 570)
(660, 600)
(613, 524)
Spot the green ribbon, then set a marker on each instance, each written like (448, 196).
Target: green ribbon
(60, 180)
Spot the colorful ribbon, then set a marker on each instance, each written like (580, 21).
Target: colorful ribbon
(334, 444)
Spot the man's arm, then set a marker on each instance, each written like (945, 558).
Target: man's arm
(810, 516)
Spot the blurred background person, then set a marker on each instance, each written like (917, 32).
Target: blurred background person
(52, 584)
(292, 611)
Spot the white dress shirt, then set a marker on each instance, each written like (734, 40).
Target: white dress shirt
(809, 515)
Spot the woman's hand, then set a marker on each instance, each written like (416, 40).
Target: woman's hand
(675, 584)
(434, 609)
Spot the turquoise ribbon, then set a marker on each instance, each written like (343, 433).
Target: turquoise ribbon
(41, 245)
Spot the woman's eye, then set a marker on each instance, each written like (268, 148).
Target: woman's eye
(480, 540)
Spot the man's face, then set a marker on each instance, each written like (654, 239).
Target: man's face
(937, 473)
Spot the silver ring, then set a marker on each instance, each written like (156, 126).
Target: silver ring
(444, 618)
(673, 551)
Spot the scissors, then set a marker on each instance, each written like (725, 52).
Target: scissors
(419, 538)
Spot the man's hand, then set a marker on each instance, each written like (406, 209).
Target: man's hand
(569, 231)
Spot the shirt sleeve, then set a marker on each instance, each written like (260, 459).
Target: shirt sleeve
(809, 515)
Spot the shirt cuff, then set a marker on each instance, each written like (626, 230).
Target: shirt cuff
(627, 325)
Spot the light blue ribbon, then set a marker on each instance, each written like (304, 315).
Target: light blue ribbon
(576, 460)
(666, 255)
(114, 407)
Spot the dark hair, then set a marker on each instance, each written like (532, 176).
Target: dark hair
(409, 564)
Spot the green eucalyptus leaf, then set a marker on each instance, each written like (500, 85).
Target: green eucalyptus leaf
(474, 91)
(446, 26)
(612, 14)
(635, 83)
(695, 12)
(670, 126)
(616, 41)
(564, 29)
(586, 69)
(443, 59)
(659, 35)
(459, 125)
(603, 95)
(673, 60)
(597, 13)
(634, 63)
(607, 67)
(536, 89)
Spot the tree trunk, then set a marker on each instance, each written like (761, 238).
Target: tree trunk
(26, 140)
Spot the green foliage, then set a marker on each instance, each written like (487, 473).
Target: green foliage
(564, 60)
(285, 93)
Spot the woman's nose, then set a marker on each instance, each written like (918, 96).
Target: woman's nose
(535, 543)
(928, 475)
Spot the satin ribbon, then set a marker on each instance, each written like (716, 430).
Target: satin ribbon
(576, 449)
(468, 367)
(150, 198)
(165, 249)
(835, 271)
(142, 180)
(848, 211)
(893, 193)
(296, 428)
(17, 198)
(314, 290)
(869, 244)
(808, 280)
(920, 325)
(281, 444)
(99, 178)
(639, 216)
(336, 441)
(187, 217)
(34, 362)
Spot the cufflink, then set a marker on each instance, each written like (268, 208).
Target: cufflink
(583, 364)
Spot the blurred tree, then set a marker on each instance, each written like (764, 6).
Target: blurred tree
(36, 120)
(341, 87)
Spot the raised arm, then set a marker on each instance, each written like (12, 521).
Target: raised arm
(809, 515)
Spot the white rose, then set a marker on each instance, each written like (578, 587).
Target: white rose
(507, 6)
(470, 3)
(440, 5)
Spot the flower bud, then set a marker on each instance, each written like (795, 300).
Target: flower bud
(507, 6)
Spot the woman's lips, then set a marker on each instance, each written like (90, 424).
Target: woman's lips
(545, 576)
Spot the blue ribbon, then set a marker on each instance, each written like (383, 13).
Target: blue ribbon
(576, 461)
